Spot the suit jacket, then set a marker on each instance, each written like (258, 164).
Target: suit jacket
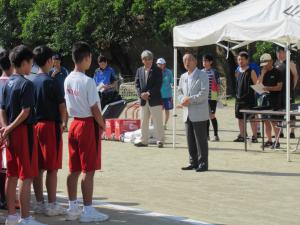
(198, 93)
(152, 85)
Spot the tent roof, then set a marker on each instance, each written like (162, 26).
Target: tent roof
(253, 20)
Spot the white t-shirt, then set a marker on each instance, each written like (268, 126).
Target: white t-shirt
(80, 94)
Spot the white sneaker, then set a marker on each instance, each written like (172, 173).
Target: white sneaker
(12, 220)
(39, 208)
(55, 209)
(2, 219)
(29, 221)
(73, 214)
(92, 215)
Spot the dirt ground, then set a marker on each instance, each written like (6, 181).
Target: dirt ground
(145, 186)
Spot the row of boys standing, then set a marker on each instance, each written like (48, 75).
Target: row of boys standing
(33, 116)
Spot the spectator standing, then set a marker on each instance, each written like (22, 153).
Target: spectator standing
(280, 64)
(105, 76)
(59, 72)
(166, 88)
(245, 96)
(214, 89)
(272, 80)
(148, 81)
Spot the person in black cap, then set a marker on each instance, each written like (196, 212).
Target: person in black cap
(59, 72)
(280, 64)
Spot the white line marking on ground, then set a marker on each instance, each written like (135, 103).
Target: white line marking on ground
(141, 212)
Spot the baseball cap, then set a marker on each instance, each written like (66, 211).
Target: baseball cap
(57, 56)
(161, 61)
(264, 59)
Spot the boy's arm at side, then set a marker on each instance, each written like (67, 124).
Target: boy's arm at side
(97, 116)
(20, 119)
(3, 118)
(63, 114)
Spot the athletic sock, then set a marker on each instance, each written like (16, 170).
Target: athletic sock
(87, 208)
(73, 204)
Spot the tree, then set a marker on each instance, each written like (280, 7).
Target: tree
(12, 14)
(112, 26)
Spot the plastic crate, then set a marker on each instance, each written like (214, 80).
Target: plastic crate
(125, 125)
(110, 129)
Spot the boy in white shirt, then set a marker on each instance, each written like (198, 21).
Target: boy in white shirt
(83, 103)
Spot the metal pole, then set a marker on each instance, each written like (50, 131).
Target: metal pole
(174, 98)
(288, 87)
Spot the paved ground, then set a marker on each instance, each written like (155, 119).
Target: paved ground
(241, 188)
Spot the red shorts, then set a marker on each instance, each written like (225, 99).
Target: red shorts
(84, 145)
(22, 153)
(49, 137)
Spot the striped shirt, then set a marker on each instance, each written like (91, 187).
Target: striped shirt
(212, 74)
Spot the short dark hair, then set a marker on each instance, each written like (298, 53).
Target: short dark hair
(80, 50)
(279, 49)
(102, 58)
(244, 54)
(4, 60)
(41, 54)
(208, 57)
(19, 54)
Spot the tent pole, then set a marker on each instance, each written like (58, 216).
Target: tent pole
(288, 87)
(174, 98)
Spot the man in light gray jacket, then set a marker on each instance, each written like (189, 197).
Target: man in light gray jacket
(193, 98)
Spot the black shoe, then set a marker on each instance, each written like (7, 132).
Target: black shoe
(268, 144)
(281, 135)
(140, 144)
(190, 167)
(160, 144)
(239, 139)
(254, 139)
(292, 135)
(202, 168)
(216, 139)
(277, 146)
(258, 135)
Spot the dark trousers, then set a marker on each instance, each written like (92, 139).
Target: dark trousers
(197, 142)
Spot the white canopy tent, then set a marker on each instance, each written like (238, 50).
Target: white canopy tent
(276, 21)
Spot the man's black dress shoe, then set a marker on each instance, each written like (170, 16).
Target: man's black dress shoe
(140, 144)
(202, 168)
(190, 167)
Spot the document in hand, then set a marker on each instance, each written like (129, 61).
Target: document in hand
(259, 88)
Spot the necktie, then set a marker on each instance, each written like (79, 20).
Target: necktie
(146, 75)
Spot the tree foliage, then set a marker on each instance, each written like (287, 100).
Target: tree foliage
(114, 26)
(100, 22)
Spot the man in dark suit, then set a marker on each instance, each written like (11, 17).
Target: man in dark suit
(148, 81)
